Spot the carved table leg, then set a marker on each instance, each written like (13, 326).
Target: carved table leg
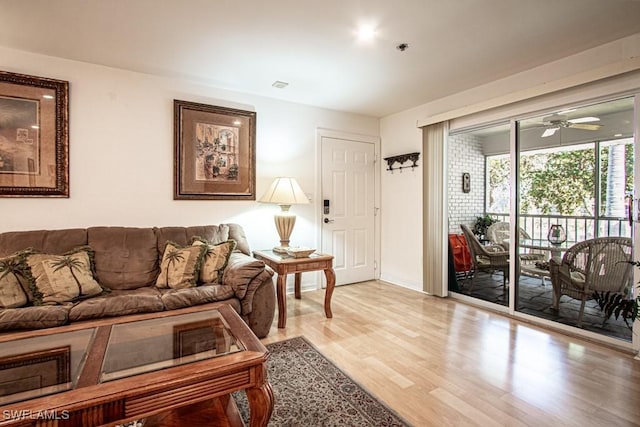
(282, 300)
(260, 404)
(330, 275)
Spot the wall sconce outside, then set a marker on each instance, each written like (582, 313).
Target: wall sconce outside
(466, 182)
(402, 158)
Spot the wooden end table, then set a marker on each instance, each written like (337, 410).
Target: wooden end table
(284, 264)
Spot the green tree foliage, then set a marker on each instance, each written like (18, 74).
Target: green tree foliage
(561, 182)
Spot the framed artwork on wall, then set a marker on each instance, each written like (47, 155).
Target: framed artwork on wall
(34, 136)
(214, 152)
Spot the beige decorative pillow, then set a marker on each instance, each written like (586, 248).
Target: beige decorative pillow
(215, 259)
(56, 279)
(13, 281)
(180, 266)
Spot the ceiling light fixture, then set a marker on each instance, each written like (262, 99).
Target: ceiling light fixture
(366, 32)
(279, 84)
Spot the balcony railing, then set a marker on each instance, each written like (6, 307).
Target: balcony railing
(578, 228)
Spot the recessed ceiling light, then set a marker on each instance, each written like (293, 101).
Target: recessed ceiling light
(47, 96)
(35, 127)
(237, 122)
(366, 32)
(280, 85)
(618, 134)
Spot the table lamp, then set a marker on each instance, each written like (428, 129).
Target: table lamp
(284, 191)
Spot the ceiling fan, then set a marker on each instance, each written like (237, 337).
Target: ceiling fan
(556, 121)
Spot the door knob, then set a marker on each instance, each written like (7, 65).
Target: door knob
(327, 220)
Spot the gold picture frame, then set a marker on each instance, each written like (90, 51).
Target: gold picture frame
(214, 152)
(34, 136)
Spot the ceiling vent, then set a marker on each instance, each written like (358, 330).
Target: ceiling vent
(280, 85)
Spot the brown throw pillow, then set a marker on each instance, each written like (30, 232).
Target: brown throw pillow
(56, 279)
(14, 282)
(180, 266)
(215, 260)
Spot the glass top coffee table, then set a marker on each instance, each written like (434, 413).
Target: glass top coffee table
(115, 370)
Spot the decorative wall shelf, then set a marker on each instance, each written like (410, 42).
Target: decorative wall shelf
(402, 158)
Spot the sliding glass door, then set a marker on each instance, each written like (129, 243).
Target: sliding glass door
(574, 182)
(479, 174)
(575, 178)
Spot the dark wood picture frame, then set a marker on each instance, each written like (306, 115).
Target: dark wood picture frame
(44, 368)
(214, 152)
(34, 136)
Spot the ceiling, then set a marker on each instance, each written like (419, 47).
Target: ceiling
(312, 45)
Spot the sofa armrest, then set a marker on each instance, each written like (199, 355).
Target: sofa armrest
(245, 274)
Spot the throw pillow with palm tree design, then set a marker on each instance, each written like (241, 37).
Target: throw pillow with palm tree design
(14, 284)
(215, 259)
(56, 279)
(180, 267)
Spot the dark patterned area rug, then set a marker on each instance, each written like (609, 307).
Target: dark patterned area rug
(310, 390)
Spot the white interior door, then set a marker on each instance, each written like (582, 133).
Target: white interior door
(348, 203)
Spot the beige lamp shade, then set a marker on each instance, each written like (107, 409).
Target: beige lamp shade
(284, 191)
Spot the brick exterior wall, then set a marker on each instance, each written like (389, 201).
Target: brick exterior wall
(465, 155)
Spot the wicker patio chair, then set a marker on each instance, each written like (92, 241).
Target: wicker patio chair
(486, 258)
(592, 265)
(498, 234)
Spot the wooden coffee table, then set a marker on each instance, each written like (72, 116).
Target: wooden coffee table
(285, 264)
(159, 366)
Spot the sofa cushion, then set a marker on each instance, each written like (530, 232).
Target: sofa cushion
(125, 257)
(117, 303)
(57, 279)
(236, 232)
(180, 266)
(14, 284)
(35, 317)
(215, 259)
(47, 241)
(183, 236)
(179, 298)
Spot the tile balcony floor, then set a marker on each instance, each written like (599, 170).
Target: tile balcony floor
(536, 299)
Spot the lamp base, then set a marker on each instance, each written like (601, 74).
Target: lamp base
(280, 249)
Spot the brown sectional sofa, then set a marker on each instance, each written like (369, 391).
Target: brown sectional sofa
(127, 263)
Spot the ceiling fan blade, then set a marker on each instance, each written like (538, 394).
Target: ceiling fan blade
(584, 120)
(584, 126)
(549, 132)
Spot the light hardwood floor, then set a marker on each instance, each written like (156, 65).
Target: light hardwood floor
(438, 362)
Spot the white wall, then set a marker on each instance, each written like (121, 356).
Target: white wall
(121, 153)
(401, 221)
